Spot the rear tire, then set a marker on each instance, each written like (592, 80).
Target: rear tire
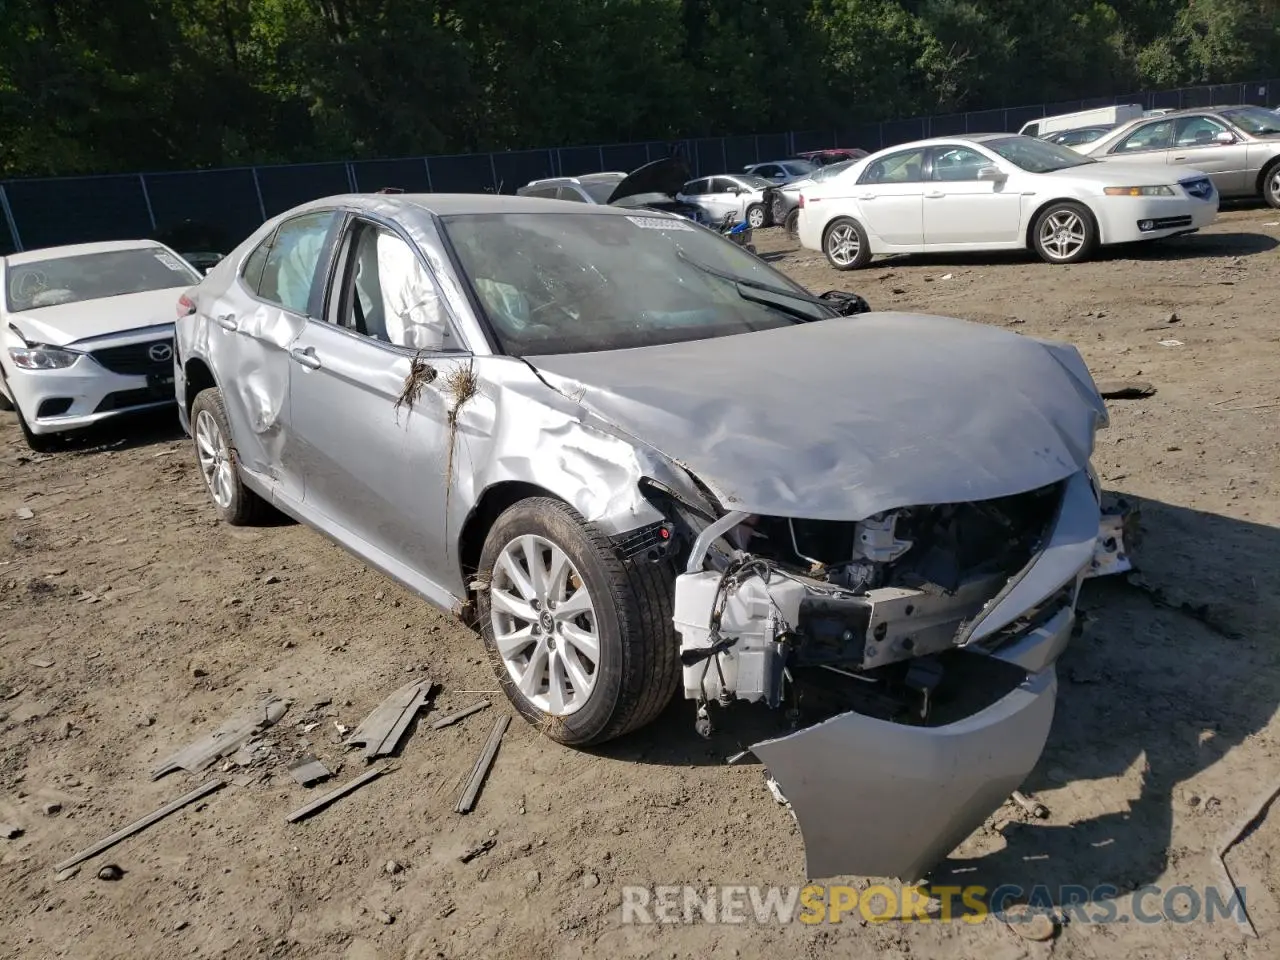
(1271, 184)
(541, 631)
(219, 463)
(846, 245)
(792, 223)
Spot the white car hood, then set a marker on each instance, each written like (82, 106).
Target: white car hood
(69, 323)
(1120, 174)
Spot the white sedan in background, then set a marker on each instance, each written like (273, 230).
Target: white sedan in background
(86, 333)
(997, 192)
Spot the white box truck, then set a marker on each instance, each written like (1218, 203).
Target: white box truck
(1101, 116)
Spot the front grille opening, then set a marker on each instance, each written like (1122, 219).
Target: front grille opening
(124, 399)
(53, 407)
(135, 359)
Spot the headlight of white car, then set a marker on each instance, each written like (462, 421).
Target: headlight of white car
(42, 357)
(1138, 191)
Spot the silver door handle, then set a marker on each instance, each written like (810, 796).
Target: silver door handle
(227, 321)
(1176, 159)
(935, 196)
(306, 357)
(867, 196)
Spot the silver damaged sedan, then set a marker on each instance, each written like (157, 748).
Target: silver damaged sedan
(640, 460)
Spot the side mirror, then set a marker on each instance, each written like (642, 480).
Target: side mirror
(1224, 137)
(991, 172)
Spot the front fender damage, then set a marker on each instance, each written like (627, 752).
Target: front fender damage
(932, 704)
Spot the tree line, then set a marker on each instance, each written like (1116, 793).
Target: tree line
(94, 87)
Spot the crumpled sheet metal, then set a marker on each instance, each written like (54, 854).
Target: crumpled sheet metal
(880, 799)
(846, 418)
(226, 739)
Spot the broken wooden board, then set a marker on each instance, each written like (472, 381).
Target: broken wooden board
(226, 739)
(467, 802)
(451, 718)
(382, 729)
(336, 794)
(139, 825)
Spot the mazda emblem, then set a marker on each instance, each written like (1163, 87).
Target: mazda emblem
(160, 352)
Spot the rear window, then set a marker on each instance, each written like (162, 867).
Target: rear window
(94, 276)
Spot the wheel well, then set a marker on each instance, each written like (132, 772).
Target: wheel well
(485, 513)
(199, 377)
(1031, 223)
(1264, 173)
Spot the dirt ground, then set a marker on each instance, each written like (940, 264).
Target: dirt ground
(157, 624)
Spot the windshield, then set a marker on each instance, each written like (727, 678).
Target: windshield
(601, 190)
(1255, 120)
(555, 283)
(95, 276)
(799, 167)
(1036, 156)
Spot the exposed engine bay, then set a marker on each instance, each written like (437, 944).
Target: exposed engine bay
(786, 604)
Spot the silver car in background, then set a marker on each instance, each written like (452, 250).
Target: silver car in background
(86, 333)
(1238, 147)
(641, 460)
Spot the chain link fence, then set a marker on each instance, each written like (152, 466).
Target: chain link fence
(231, 202)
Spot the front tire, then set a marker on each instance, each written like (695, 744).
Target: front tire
(1065, 232)
(756, 216)
(581, 641)
(219, 462)
(845, 244)
(792, 223)
(37, 442)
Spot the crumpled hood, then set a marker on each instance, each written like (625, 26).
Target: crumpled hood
(844, 418)
(68, 323)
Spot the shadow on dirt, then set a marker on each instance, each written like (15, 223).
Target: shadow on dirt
(1176, 666)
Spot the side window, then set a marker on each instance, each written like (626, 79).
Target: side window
(253, 264)
(388, 294)
(767, 170)
(694, 187)
(1197, 131)
(289, 271)
(901, 167)
(1031, 130)
(545, 193)
(957, 163)
(1151, 136)
(570, 193)
(722, 185)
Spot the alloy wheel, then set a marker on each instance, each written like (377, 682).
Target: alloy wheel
(544, 625)
(215, 459)
(755, 218)
(843, 244)
(1063, 234)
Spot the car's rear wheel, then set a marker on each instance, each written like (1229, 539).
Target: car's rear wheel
(1271, 184)
(1065, 232)
(219, 462)
(756, 216)
(845, 244)
(580, 640)
(792, 224)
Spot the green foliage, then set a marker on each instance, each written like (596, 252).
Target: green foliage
(154, 84)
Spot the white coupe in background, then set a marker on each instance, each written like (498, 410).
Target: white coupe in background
(997, 192)
(86, 333)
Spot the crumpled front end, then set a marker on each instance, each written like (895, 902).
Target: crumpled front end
(916, 647)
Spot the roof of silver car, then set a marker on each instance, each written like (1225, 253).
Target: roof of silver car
(450, 204)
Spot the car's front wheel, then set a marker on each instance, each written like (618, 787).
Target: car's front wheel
(756, 216)
(219, 462)
(1065, 233)
(580, 639)
(845, 244)
(38, 442)
(792, 224)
